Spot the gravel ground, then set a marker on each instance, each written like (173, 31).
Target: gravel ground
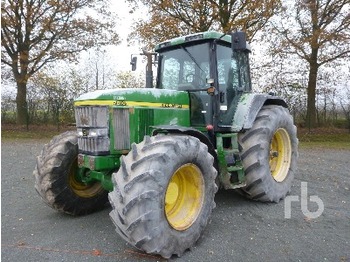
(239, 230)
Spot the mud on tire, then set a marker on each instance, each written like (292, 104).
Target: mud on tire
(55, 178)
(159, 178)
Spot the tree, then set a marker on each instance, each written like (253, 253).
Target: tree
(51, 93)
(127, 79)
(345, 105)
(315, 31)
(99, 69)
(35, 33)
(169, 18)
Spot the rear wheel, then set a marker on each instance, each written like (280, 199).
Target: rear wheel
(57, 182)
(269, 155)
(164, 194)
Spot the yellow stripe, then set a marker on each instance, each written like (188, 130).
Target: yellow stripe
(94, 103)
(128, 103)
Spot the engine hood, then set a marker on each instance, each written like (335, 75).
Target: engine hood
(142, 97)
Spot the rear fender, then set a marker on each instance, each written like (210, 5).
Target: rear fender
(248, 108)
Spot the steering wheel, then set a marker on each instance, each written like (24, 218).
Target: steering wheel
(196, 81)
(190, 78)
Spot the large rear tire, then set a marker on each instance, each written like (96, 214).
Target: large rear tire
(164, 194)
(269, 152)
(56, 181)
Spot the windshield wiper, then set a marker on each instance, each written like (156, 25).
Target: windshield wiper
(192, 58)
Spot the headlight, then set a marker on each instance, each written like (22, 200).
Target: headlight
(92, 132)
(93, 141)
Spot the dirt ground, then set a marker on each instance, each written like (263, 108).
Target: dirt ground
(239, 229)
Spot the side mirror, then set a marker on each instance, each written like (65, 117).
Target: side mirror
(239, 41)
(133, 63)
(156, 59)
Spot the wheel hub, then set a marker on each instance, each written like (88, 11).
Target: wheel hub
(184, 197)
(280, 154)
(172, 194)
(81, 189)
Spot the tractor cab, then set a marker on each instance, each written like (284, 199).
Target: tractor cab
(212, 67)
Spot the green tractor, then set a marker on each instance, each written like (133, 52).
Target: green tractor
(159, 155)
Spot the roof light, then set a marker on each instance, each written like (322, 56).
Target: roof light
(165, 44)
(194, 37)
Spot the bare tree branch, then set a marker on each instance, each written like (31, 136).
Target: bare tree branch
(37, 32)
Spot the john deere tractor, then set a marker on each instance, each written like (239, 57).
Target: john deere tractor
(159, 154)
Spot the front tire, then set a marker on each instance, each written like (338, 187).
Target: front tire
(269, 152)
(164, 194)
(56, 181)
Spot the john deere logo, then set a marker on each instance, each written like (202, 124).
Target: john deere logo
(85, 132)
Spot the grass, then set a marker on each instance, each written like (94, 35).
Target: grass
(324, 138)
(45, 132)
(320, 138)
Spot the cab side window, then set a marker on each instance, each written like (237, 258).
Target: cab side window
(233, 73)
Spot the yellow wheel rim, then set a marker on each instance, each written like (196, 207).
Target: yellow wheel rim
(280, 155)
(79, 188)
(184, 197)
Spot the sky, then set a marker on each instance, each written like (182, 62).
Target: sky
(122, 52)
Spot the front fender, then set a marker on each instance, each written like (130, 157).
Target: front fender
(173, 129)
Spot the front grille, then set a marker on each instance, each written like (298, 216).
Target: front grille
(121, 128)
(94, 145)
(93, 129)
(91, 116)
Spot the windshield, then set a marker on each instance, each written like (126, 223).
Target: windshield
(185, 68)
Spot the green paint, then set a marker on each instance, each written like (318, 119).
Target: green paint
(145, 108)
(136, 98)
(99, 162)
(231, 174)
(104, 178)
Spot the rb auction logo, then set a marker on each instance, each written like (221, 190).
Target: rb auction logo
(303, 203)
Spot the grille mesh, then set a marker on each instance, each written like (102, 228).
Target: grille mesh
(90, 119)
(121, 129)
(91, 116)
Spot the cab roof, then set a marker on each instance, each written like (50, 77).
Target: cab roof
(193, 38)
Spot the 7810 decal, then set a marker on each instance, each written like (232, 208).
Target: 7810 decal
(120, 103)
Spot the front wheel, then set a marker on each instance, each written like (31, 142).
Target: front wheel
(164, 194)
(269, 152)
(57, 182)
